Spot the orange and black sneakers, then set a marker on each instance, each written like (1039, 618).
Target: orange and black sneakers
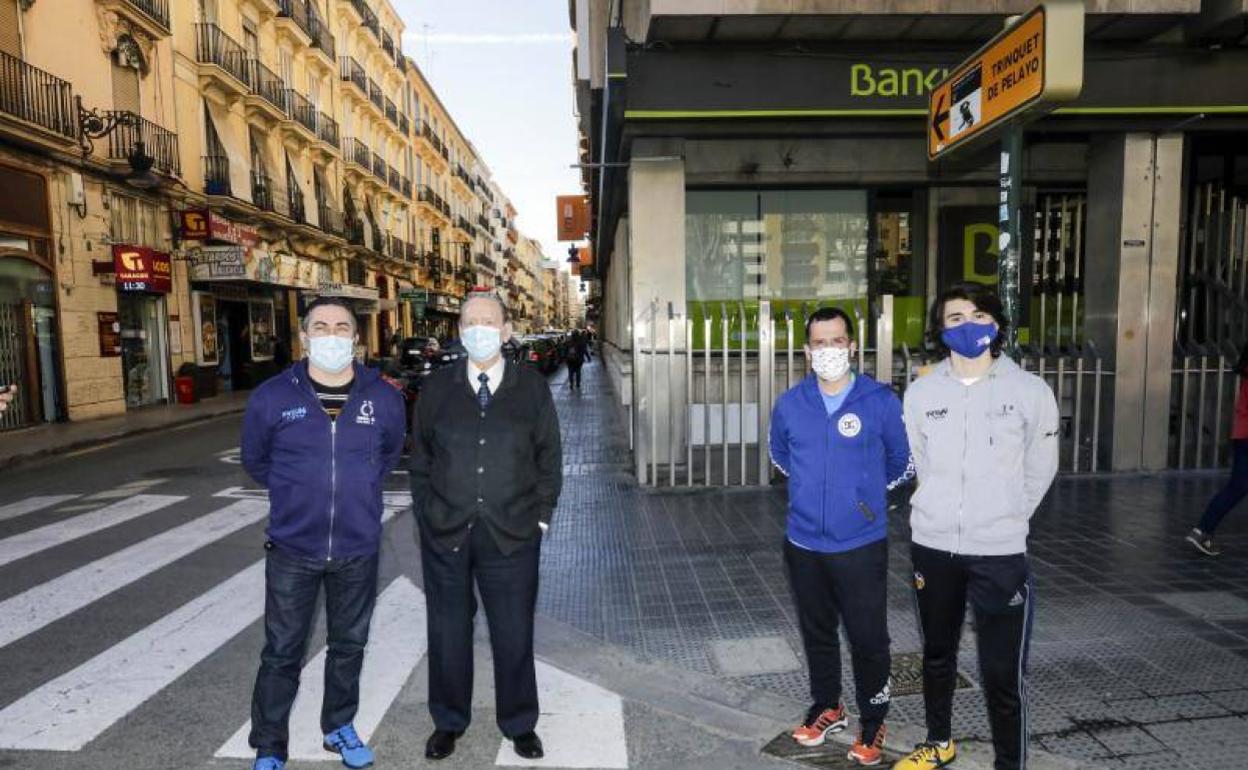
(820, 722)
(868, 753)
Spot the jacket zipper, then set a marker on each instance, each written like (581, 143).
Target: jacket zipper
(866, 510)
(966, 440)
(333, 484)
(823, 486)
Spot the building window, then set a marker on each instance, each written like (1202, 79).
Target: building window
(134, 221)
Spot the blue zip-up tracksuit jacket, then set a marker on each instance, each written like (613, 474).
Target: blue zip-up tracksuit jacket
(840, 466)
(324, 476)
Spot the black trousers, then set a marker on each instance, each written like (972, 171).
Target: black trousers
(850, 588)
(292, 583)
(1001, 595)
(574, 375)
(508, 587)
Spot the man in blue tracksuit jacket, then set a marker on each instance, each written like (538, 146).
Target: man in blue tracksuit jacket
(321, 437)
(839, 438)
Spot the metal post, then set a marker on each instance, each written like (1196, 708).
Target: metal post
(1078, 426)
(1200, 412)
(1042, 259)
(652, 397)
(1183, 413)
(884, 341)
(745, 363)
(707, 325)
(766, 381)
(1217, 413)
(1075, 288)
(688, 327)
(1010, 240)
(788, 371)
(723, 391)
(1096, 416)
(671, 399)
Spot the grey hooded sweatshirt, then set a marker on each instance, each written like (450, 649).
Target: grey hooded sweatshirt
(985, 455)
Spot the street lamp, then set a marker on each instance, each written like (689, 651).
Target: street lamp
(574, 257)
(93, 125)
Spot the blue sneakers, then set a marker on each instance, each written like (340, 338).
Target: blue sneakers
(268, 763)
(346, 743)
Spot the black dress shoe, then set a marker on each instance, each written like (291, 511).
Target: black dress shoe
(441, 744)
(528, 746)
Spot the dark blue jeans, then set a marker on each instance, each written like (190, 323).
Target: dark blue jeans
(292, 583)
(1235, 490)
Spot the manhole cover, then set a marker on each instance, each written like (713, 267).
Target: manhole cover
(908, 675)
(829, 755)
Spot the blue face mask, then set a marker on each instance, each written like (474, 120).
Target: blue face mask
(482, 342)
(971, 339)
(331, 353)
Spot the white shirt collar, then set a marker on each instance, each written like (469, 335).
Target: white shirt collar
(495, 374)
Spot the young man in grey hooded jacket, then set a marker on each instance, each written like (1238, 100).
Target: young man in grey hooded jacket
(984, 434)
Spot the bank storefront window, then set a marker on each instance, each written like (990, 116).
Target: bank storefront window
(797, 248)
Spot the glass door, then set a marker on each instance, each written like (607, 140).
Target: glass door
(142, 349)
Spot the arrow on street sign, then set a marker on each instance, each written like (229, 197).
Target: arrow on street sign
(940, 116)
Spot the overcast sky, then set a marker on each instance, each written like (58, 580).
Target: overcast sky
(504, 70)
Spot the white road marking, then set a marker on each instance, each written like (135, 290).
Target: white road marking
(126, 490)
(569, 707)
(32, 504)
(33, 541)
(396, 645)
(70, 711)
(31, 610)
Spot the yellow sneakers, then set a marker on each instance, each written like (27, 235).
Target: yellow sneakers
(928, 756)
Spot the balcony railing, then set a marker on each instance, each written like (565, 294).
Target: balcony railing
(213, 46)
(318, 30)
(156, 10)
(398, 249)
(404, 125)
(463, 224)
(30, 94)
(358, 152)
(394, 179)
(329, 219)
(375, 95)
(379, 167)
(267, 84)
(262, 191)
(297, 211)
(301, 110)
(159, 143)
(217, 175)
(350, 70)
(392, 111)
(407, 188)
(427, 132)
(370, 18)
(387, 44)
(353, 229)
(327, 130)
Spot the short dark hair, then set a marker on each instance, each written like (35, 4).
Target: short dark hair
(328, 302)
(829, 314)
(983, 297)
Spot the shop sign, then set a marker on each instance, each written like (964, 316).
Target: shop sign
(218, 263)
(241, 263)
(204, 313)
(203, 225)
(414, 295)
(348, 291)
(142, 269)
(573, 217)
(110, 334)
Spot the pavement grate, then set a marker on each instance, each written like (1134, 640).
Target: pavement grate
(830, 756)
(907, 674)
(1211, 605)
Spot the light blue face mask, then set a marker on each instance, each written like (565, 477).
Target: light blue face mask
(482, 342)
(331, 353)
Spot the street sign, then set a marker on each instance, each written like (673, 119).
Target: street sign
(414, 295)
(1028, 69)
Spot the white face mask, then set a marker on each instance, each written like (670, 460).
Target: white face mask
(482, 342)
(830, 364)
(331, 353)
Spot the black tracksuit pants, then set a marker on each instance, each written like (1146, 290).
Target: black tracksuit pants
(849, 587)
(1001, 596)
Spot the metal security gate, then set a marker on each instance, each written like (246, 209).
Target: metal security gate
(703, 390)
(14, 339)
(1056, 318)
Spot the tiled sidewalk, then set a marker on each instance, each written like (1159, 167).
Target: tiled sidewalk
(1140, 657)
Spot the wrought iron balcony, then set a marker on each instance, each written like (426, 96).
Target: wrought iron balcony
(379, 167)
(407, 188)
(387, 44)
(329, 219)
(392, 111)
(393, 178)
(351, 71)
(318, 30)
(34, 96)
(404, 125)
(354, 231)
(427, 132)
(358, 152)
(297, 211)
(262, 191)
(158, 143)
(267, 84)
(217, 175)
(463, 224)
(375, 95)
(213, 46)
(301, 110)
(156, 10)
(327, 130)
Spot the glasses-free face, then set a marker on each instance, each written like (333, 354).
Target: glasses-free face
(481, 311)
(960, 311)
(330, 320)
(829, 334)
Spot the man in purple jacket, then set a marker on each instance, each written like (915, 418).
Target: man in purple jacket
(321, 437)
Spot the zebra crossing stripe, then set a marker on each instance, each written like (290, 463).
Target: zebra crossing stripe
(568, 703)
(33, 541)
(396, 644)
(31, 610)
(70, 711)
(32, 504)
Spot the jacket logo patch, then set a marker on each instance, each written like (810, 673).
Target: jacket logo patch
(849, 425)
(298, 413)
(919, 582)
(936, 414)
(365, 417)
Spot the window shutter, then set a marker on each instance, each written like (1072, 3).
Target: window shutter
(10, 26)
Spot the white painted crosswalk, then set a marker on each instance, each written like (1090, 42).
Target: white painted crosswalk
(73, 709)
(33, 541)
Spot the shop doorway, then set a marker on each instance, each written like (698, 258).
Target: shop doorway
(232, 334)
(144, 359)
(28, 344)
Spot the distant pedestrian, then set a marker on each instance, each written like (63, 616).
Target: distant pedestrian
(321, 437)
(1236, 488)
(7, 395)
(575, 356)
(486, 470)
(839, 438)
(984, 437)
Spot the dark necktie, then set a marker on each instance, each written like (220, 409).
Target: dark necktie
(483, 392)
